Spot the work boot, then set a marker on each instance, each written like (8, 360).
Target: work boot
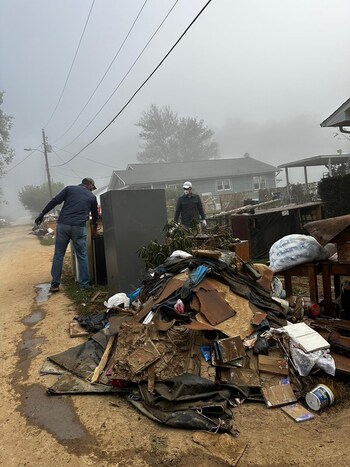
(54, 288)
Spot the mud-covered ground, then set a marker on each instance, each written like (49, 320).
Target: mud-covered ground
(90, 430)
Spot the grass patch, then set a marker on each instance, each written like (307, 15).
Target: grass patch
(82, 298)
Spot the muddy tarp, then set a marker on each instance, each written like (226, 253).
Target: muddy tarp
(187, 401)
(82, 360)
(70, 384)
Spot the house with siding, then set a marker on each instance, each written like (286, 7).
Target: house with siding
(219, 176)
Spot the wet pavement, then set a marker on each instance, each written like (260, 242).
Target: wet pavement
(54, 414)
(43, 292)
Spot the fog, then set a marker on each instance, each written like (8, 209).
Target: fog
(262, 76)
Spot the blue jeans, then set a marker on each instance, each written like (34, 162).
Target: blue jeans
(65, 233)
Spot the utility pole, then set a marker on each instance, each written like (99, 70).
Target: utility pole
(47, 164)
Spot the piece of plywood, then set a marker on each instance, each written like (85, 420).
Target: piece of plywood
(276, 396)
(76, 330)
(297, 412)
(258, 316)
(214, 307)
(230, 348)
(238, 324)
(143, 357)
(240, 377)
(273, 364)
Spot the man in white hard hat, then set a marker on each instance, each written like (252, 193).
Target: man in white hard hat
(189, 208)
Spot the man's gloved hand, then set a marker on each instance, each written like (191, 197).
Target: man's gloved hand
(94, 231)
(39, 219)
(204, 222)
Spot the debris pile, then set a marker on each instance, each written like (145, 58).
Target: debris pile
(200, 336)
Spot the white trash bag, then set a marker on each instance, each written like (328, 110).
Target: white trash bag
(117, 300)
(295, 249)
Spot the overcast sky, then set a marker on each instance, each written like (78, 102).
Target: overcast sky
(262, 75)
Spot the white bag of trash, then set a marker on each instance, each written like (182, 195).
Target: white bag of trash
(180, 254)
(295, 249)
(117, 300)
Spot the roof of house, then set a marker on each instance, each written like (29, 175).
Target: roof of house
(340, 117)
(194, 170)
(317, 161)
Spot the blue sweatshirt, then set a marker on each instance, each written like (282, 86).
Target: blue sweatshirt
(78, 203)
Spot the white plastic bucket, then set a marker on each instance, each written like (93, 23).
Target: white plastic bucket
(320, 397)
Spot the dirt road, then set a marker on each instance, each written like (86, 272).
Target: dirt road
(38, 430)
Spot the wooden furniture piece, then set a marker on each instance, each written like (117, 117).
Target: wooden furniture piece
(309, 270)
(242, 250)
(207, 242)
(331, 269)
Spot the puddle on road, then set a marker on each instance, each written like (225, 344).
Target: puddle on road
(27, 349)
(33, 318)
(43, 292)
(52, 413)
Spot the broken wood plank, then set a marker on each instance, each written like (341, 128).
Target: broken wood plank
(276, 396)
(103, 361)
(272, 364)
(297, 412)
(97, 294)
(76, 330)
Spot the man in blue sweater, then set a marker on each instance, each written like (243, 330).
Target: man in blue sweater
(189, 208)
(78, 203)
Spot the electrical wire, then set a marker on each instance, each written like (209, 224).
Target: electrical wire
(71, 67)
(70, 168)
(67, 175)
(125, 76)
(88, 159)
(143, 84)
(21, 162)
(104, 75)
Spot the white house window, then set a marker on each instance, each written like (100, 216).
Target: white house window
(259, 182)
(223, 185)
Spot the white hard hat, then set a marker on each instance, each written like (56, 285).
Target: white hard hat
(187, 185)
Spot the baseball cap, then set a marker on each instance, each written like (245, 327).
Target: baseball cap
(87, 181)
(187, 185)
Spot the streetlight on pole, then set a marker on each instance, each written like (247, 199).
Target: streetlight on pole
(45, 151)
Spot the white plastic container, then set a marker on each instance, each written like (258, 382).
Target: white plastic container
(320, 397)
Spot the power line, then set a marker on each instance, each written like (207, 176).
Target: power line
(70, 168)
(67, 175)
(78, 177)
(86, 158)
(127, 73)
(21, 162)
(71, 67)
(103, 77)
(142, 85)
